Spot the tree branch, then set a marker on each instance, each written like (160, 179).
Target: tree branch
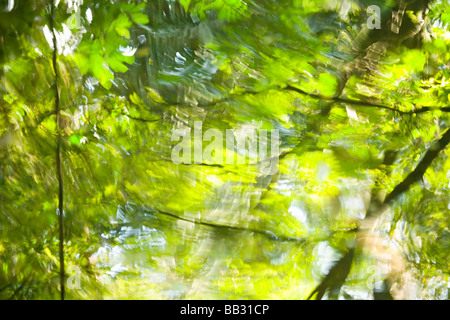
(335, 276)
(58, 155)
(266, 234)
(365, 103)
(423, 165)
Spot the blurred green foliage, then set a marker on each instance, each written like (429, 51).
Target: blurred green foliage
(353, 124)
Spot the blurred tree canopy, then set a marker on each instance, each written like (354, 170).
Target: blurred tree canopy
(92, 91)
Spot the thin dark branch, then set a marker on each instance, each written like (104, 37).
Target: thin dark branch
(20, 286)
(267, 234)
(214, 165)
(402, 187)
(230, 97)
(58, 155)
(141, 119)
(423, 165)
(335, 278)
(119, 112)
(365, 103)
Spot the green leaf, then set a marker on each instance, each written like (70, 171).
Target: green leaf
(75, 139)
(327, 84)
(123, 32)
(185, 4)
(82, 62)
(140, 18)
(100, 70)
(116, 65)
(122, 24)
(414, 59)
